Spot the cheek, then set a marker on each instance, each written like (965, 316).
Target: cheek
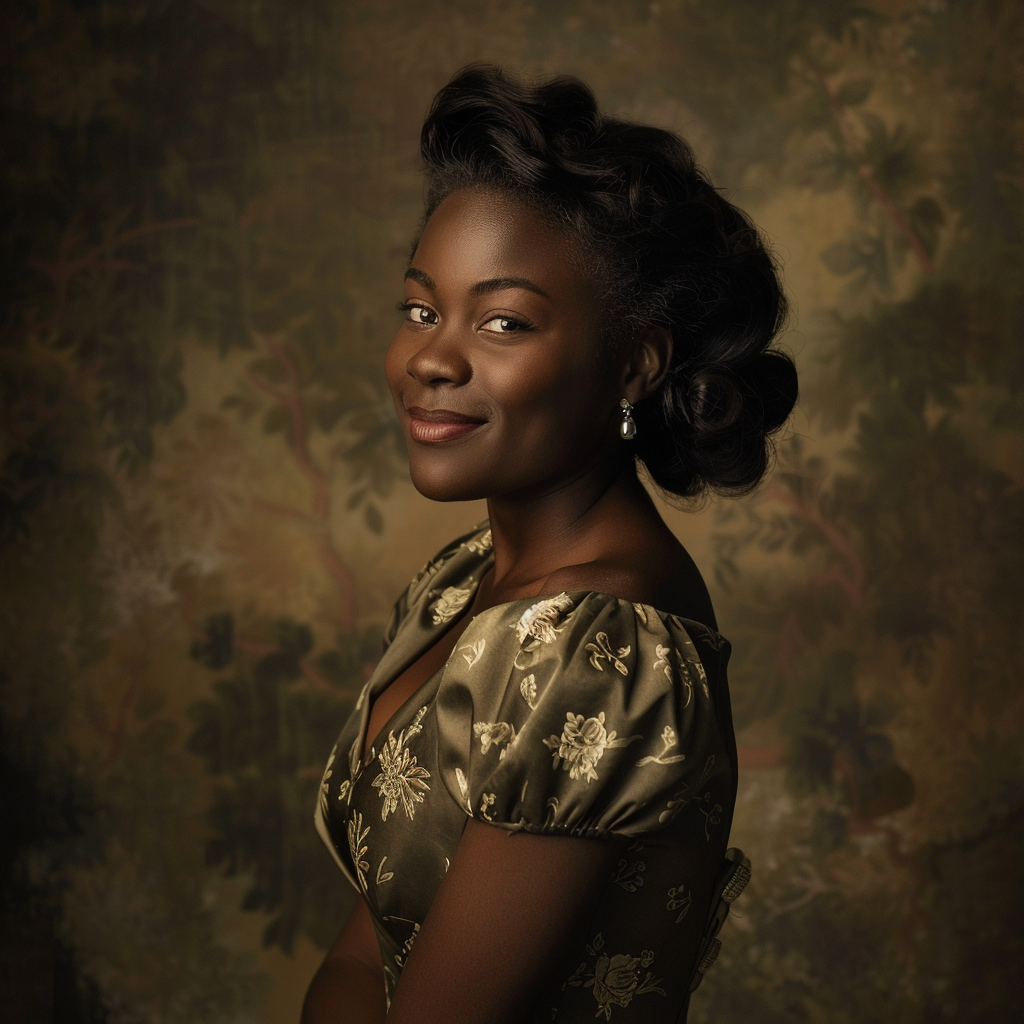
(539, 402)
(395, 361)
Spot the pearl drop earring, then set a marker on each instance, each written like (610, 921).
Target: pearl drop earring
(627, 425)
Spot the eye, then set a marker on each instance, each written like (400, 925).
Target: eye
(505, 325)
(421, 316)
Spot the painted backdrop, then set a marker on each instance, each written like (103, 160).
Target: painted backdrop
(205, 513)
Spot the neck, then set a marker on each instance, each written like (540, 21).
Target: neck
(570, 524)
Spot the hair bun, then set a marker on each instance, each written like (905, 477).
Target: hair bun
(711, 400)
(772, 378)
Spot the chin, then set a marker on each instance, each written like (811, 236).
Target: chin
(438, 485)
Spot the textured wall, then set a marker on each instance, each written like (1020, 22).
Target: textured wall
(204, 509)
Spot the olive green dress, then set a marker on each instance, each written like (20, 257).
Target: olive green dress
(580, 715)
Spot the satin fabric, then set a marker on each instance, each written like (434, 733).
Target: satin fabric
(580, 714)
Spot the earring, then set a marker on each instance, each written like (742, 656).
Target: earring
(627, 426)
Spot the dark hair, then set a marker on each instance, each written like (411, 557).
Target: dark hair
(676, 254)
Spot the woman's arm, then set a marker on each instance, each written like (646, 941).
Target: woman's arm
(349, 986)
(498, 924)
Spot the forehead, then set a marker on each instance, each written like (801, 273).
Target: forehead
(478, 234)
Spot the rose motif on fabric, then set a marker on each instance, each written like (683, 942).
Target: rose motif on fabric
(494, 734)
(582, 745)
(449, 604)
(615, 980)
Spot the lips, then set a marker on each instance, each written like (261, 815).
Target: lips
(433, 425)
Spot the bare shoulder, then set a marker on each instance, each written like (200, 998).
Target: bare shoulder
(672, 584)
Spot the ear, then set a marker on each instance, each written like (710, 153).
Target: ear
(648, 363)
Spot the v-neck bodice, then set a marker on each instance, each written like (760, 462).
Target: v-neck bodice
(575, 715)
(418, 637)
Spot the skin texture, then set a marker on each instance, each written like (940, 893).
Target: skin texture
(506, 391)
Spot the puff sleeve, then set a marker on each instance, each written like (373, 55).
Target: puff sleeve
(583, 715)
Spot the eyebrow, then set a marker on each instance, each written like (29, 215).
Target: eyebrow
(493, 284)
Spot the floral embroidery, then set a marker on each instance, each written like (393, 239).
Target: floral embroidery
(478, 545)
(494, 734)
(615, 980)
(665, 665)
(629, 876)
(487, 800)
(538, 621)
(661, 660)
(702, 676)
(582, 744)
(401, 778)
(711, 813)
(528, 688)
(356, 836)
(345, 790)
(460, 778)
(669, 740)
(641, 612)
(693, 664)
(328, 771)
(472, 652)
(355, 764)
(382, 875)
(679, 898)
(402, 955)
(449, 604)
(601, 650)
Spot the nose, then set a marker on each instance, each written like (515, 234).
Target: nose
(440, 359)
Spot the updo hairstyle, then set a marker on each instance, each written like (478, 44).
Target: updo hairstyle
(671, 251)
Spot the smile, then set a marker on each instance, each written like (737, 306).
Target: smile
(434, 425)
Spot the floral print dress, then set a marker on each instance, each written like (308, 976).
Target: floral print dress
(581, 714)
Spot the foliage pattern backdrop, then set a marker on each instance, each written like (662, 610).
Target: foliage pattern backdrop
(204, 509)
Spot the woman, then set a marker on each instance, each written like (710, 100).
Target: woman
(534, 793)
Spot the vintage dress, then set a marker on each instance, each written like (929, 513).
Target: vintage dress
(582, 714)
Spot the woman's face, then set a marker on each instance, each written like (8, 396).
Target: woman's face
(497, 372)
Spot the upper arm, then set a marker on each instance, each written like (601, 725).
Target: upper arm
(498, 924)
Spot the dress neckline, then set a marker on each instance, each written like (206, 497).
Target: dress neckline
(380, 680)
(482, 561)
